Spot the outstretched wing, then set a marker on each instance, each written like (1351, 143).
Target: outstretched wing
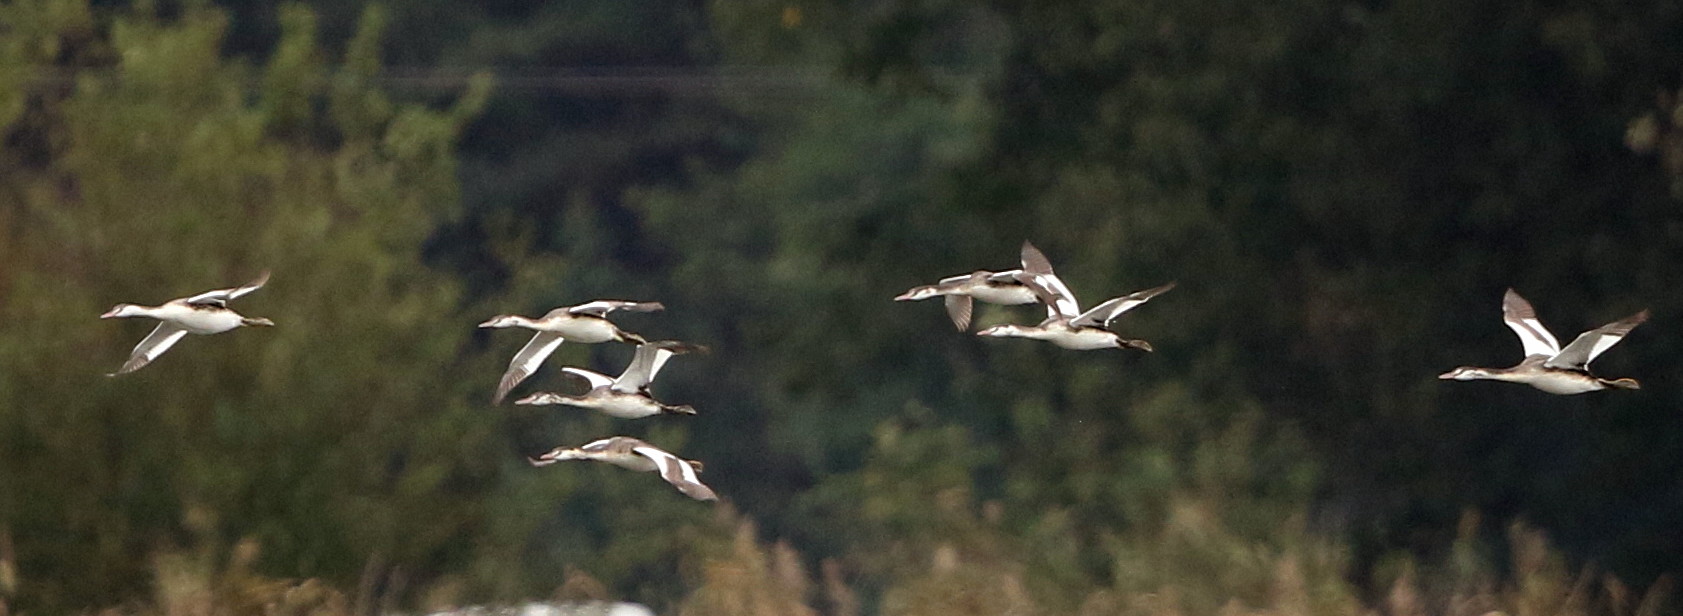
(1103, 313)
(1060, 301)
(602, 307)
(1047, 296)
(155, 343)
(220, 297)
(572, 453)
(605, 444)
(526, 362)
(1006, 276)
(646, 363)
(677, 472)
(959, 307)
(1521, 318)
(1594, 342)
(595, 378)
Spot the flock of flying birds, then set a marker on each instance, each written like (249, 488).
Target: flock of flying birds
(1547, 366)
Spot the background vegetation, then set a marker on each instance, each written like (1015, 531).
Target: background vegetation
(1342, 191)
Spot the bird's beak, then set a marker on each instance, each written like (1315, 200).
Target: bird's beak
(532, 399)
(109, 314)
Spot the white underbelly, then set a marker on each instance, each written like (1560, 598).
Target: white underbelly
(1084, 339)
(1009, 296)
(1567, 387)
(203, 321)
(585, 330)
(627, 406)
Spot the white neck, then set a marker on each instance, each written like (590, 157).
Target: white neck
(135, 310)
(511, 320)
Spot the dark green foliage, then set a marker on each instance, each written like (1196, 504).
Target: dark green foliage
(1341, 190)
(154, 169)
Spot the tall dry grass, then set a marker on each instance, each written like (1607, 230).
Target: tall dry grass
(739, 574)
(759, 579)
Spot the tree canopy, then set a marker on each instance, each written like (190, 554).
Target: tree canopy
(1342, 192)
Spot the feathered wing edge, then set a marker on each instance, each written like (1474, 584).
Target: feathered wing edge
(526, 362)
(165, 335)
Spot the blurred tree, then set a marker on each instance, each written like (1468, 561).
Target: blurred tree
(1343, 191)
(1656, 132)
(140, 165)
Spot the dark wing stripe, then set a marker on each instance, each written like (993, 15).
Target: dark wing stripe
(526, 362)
(219, 296)
(163, 336)
(602, 307)
(673, 470)
(1522, 319)
(1106, 312)
(1588, 345)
